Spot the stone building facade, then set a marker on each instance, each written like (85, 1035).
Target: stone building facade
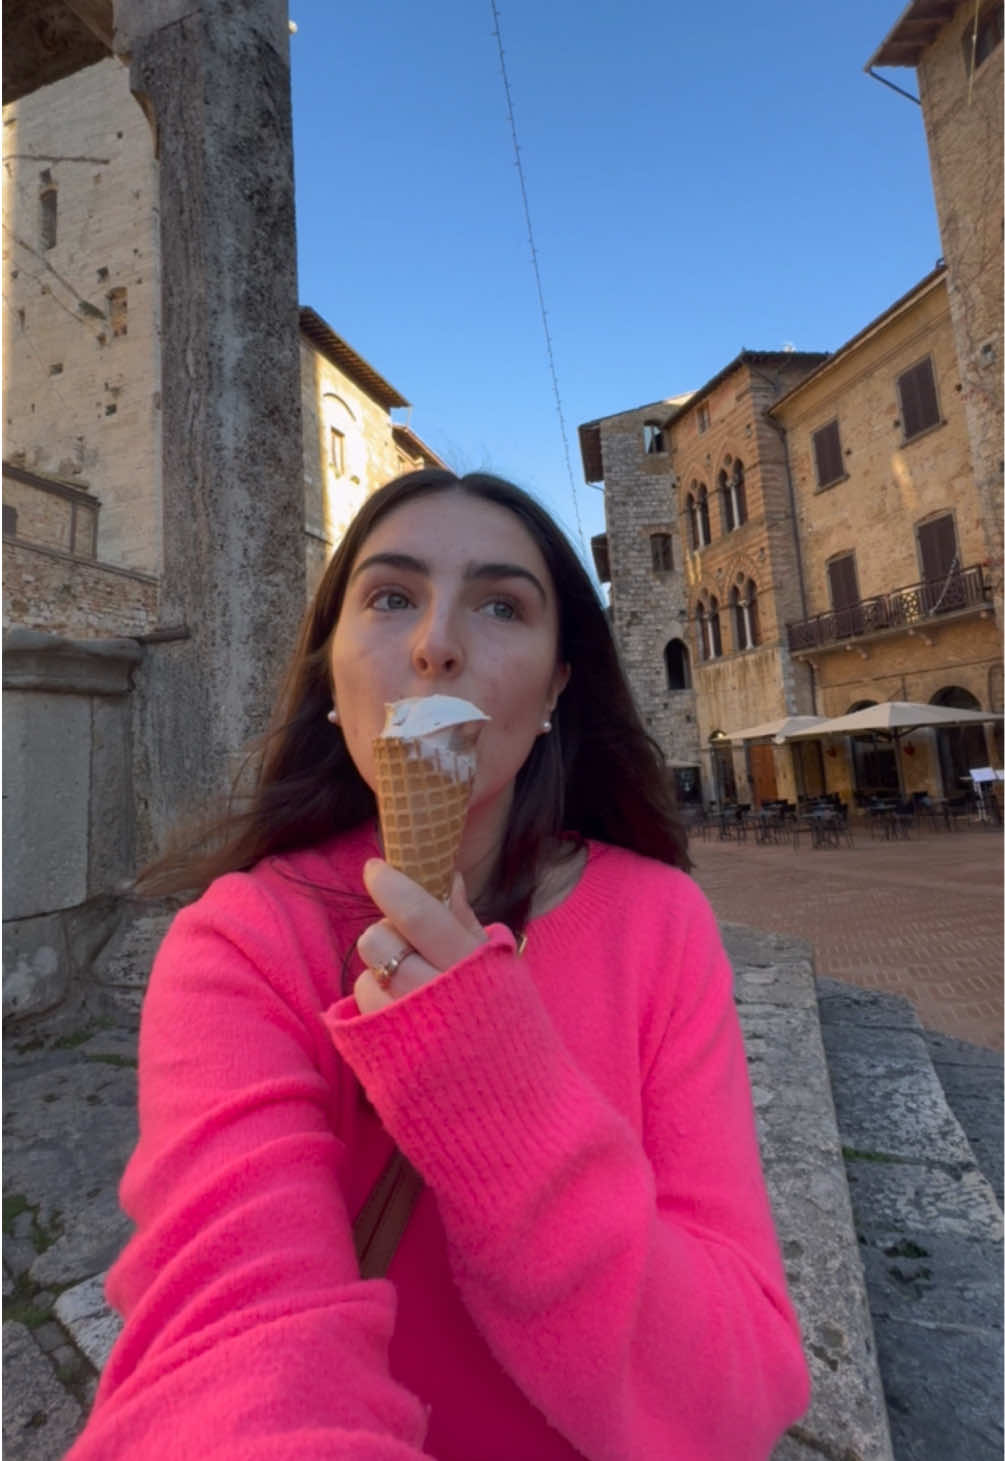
(892, 540)
(82, 495)
(704, 644)
(642, 556)
(958, 52)
(81, 305)
(351, 444)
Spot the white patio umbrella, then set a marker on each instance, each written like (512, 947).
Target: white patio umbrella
(789, 725)
(897, 718)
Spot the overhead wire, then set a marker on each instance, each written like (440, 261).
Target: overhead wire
(549, 347)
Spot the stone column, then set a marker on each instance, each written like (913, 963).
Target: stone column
(214, 79)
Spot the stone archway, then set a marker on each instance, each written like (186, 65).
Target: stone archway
(960, 747)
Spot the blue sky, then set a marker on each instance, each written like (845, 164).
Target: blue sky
(701, 179)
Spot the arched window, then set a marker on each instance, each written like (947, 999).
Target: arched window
(691, 508)
(738, 618)
(738, 493)
(743, 610)
(701, 502)
(713, 633)
(701, 629)
(678, 666)
(728, 519)
(960, 747)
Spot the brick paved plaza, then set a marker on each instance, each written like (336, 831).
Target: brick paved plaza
(921, 917)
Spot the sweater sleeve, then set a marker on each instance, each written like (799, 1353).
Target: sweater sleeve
(249, 1335)
(630, 1282)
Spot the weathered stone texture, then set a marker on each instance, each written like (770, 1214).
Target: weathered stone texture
(965, 145)
(650, 605)
(82, 378)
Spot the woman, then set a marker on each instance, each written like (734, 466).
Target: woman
(590, 1269)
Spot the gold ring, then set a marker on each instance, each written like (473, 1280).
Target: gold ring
(384, 973)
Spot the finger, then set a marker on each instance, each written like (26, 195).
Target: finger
(378, 943)
(369, 995)
(461, 908)
(381, 944)
(431, 927)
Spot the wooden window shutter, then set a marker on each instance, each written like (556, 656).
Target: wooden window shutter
(937, 547)
(918, 401)
(827, 451)
(843, 581)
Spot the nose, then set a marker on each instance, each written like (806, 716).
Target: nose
(437, 649)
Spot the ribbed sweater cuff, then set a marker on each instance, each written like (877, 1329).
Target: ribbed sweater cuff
(469, 1077)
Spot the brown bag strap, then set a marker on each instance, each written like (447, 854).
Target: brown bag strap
(383, 1218)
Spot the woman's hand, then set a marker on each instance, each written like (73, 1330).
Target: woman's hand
(436, 935)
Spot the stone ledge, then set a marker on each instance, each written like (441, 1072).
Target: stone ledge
(804, 1169)
(34, 660)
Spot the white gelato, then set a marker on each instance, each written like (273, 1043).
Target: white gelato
(424, 715)
(440, 729)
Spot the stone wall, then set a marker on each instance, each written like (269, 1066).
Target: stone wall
(721, 427)
(889, 487)
(68, 814)
(889, 483)
(649, 604)
(964, 129)
(82, 300)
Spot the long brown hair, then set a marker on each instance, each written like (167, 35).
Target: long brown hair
(598, 775)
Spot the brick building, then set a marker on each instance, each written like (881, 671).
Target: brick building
(82, 495)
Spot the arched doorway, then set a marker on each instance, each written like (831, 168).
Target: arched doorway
(678, 666)
(874, 760)
(961, 747)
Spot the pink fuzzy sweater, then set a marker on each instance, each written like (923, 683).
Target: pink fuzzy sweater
(591, 1269)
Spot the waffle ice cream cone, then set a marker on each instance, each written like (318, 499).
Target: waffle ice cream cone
(425, 765)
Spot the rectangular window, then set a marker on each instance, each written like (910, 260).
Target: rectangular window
(652, 436)
(827, 454)
(601, 557)
(978, 44)
(919, 403)
(336, 451)
(662, 551)
(843, 579)
(704, 420)
(942, 586)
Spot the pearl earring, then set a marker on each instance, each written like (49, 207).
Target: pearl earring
(333, 716)
(546, 726)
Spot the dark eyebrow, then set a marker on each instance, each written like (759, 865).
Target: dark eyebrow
(505, 570)
(408, 564)
(404, 561)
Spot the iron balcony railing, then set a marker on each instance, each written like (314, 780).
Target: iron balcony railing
(901, 609)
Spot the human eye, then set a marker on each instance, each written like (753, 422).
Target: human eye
(388, 600)
(501, 609)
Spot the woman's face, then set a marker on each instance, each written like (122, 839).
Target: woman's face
(450, 595)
